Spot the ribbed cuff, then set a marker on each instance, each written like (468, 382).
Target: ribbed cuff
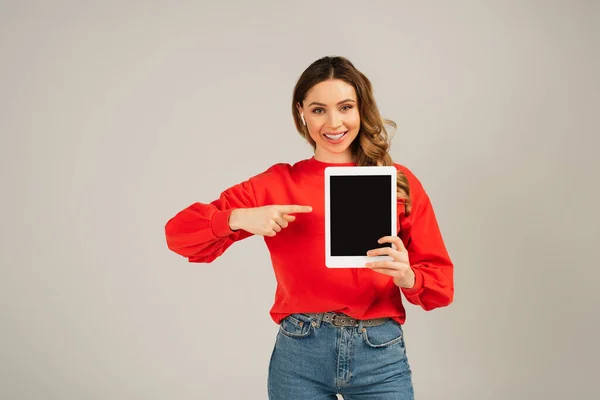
(220, 223)
(417, 286)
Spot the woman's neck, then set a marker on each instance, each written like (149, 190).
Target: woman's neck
(331, 158)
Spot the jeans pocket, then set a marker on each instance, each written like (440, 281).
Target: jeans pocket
(385, 335)
(296, 326)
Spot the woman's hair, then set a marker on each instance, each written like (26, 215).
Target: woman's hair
(371, 146)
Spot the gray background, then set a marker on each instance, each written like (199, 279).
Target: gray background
(116, 115)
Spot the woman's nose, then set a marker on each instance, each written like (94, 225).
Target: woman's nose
(334, 120)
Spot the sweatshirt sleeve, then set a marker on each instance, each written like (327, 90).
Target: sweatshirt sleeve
(429, 259)
(201, 231)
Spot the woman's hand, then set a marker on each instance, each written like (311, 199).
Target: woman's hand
(267, 220)
(399, 269)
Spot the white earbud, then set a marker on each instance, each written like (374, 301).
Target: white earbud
(303, 121)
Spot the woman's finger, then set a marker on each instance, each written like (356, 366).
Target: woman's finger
(383, 251)
(289, 217)
(395, 240)
(275, 226)
(383, 264)
(281, 222)
(386, 271)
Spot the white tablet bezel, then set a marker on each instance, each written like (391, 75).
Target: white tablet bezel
(356, 261)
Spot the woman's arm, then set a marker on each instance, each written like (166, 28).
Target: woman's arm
(429, 259)
(201, 232)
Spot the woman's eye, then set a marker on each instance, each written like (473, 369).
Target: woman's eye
(344, 108)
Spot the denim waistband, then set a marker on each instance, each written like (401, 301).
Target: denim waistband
(343, 320)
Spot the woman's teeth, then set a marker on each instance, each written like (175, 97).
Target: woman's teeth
(336, 137)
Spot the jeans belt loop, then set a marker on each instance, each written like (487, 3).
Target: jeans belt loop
(319, 319)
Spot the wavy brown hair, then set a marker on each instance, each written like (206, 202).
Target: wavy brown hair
(372, 144)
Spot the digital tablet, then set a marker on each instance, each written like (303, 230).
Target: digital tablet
(360, 208)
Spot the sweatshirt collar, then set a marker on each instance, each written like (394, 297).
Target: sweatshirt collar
(314, 165)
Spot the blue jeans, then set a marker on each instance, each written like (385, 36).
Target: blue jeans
(314, 360)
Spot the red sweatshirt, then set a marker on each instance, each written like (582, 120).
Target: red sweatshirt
(201, 233)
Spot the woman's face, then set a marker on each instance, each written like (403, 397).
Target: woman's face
(331, 113)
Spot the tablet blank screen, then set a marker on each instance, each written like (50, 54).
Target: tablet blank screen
(360, 213)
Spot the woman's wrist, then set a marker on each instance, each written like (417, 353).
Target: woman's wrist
(234, 219)
(407, 281)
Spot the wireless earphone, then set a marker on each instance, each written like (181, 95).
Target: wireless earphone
(303, 121)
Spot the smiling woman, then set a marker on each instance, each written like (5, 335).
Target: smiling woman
(333, 105)
(332, 124)
(340, 330)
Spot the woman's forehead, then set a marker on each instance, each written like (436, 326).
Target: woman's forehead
(330, 92)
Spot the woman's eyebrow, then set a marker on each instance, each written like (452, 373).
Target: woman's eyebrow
(324, 105)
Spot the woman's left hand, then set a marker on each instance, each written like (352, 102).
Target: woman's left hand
(399, 269)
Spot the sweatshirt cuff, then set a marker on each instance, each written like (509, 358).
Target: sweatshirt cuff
(219, 223)
(417, 286)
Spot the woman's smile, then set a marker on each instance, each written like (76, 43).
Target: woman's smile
(335, 138)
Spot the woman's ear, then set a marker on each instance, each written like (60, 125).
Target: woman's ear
(299, 108)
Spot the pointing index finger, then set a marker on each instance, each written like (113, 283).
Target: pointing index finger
(296, 209)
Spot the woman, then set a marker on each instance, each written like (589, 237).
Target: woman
(340, 329)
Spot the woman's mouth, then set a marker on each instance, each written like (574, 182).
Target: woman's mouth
(335, 139)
